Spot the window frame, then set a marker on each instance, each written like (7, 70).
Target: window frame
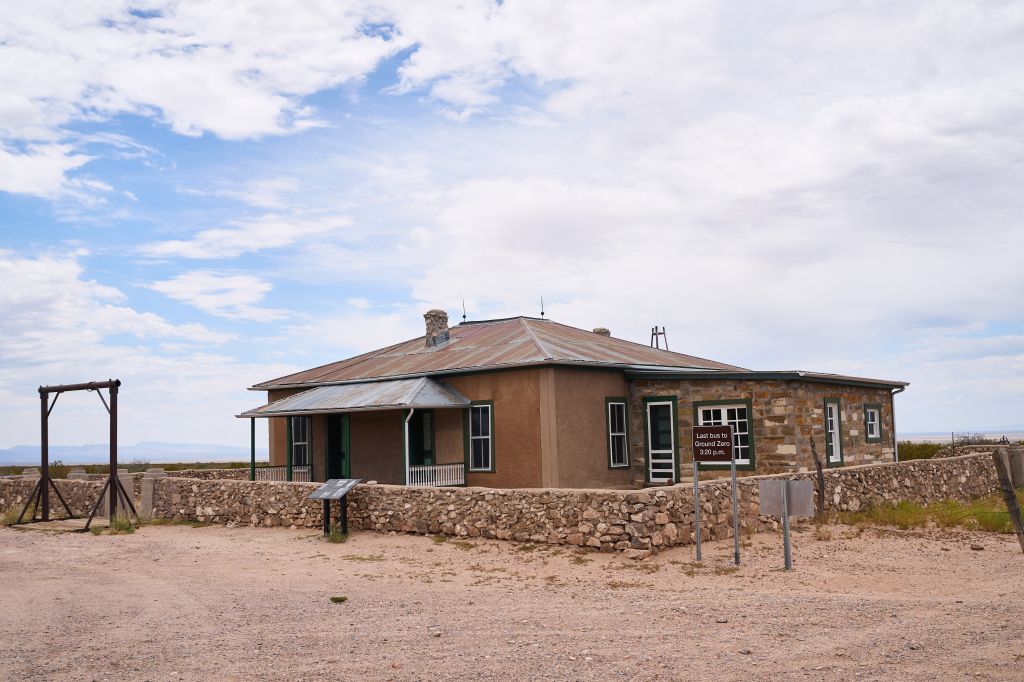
(306, 444)
(674, 412)
(468, 437)
(608, 402)
(839, 431)
(877, 409)
(751, 464)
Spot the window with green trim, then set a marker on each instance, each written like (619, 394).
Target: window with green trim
(481, 448)
(617, 445)
(300, 441)
(833, 432)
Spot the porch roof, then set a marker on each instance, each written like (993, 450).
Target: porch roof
(422, 392)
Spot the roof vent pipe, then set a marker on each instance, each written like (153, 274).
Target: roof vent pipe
(437, 326)
(603, 331)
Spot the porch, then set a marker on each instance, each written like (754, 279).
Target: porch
(405, 432)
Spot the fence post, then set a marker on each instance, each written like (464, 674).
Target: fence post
(1001, 460)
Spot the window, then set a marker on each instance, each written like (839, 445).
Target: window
(833, 432)
(736, 414)
(661, 440)
(481, 433)
(300, 441)
(617, 444)
(873, 423)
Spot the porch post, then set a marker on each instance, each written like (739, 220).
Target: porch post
(252, 449)
(405, 445)
(288, 453)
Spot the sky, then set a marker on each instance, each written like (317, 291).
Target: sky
(197, 196)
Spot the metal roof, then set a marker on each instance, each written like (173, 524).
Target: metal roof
(495, 344)
(378, 395)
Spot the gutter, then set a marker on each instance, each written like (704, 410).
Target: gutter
(892, 411)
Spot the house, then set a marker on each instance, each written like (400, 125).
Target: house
(528, 402)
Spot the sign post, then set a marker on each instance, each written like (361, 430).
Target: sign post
(335, 489)
(712, 444)
(786, 498)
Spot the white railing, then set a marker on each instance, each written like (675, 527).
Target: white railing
(301, 474)
(438, 475)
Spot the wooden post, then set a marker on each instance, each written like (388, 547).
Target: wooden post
(1003, 473)
(252, 449)
(821, 480)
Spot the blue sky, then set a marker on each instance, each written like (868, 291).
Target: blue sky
(194, 203)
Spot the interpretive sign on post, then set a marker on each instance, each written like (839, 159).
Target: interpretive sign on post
(713, 444)
(335, 489)
(784, 499)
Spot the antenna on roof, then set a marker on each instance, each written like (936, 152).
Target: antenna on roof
(542, 307)
(463, 310)
(656, 337)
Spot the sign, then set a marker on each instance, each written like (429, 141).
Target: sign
(334, 489)
(799, 497)
(712, 444)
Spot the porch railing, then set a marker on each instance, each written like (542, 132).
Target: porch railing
(301, 474)
(438, 475)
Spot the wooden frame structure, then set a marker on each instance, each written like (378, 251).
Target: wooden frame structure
(41, 493)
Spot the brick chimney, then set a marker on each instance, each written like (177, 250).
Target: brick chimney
(603, 331)
(437, 326)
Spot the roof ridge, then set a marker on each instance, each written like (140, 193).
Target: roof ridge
(663, 350)
(421, 383)
(545, 351)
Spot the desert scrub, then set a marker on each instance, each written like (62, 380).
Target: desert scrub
(336, 536)
(988, 513)
(10, 517)
(910, 450)
(340, 599)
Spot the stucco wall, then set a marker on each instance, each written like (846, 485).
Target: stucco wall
(517, 456)
(377, 449)
(786, 416)
(448, 439)
(582, 432)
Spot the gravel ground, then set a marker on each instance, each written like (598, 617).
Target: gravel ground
(177, 602)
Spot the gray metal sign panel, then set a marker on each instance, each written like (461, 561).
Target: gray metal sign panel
(334, 489)
(799, 497)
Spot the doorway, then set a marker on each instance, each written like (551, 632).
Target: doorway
(421, 438)
(339, 448)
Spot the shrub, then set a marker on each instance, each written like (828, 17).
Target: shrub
(909, 450)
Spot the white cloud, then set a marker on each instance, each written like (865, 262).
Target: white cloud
(233, 297)
(269, 231)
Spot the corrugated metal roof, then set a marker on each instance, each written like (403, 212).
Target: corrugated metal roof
(518, 341)
(379, 395)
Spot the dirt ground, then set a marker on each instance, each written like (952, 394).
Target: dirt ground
(211, 603)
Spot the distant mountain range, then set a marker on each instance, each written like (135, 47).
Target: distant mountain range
(28, 455)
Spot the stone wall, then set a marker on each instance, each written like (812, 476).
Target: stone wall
(608, 520)
(80, 495)
(786, 416)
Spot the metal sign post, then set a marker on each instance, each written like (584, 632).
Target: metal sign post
(335, 489)
(712, 444)
(786, 498)
(735, 512)
(696, 506)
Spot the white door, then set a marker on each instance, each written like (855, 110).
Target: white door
(833, 440)
(661, 442)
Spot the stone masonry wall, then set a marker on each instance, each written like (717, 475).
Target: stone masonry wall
(607, 520)
(786, 415)
(80, 495)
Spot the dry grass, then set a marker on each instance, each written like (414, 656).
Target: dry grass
(988, 513)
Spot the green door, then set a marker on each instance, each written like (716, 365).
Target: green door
(421, 438)
(339, 455)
